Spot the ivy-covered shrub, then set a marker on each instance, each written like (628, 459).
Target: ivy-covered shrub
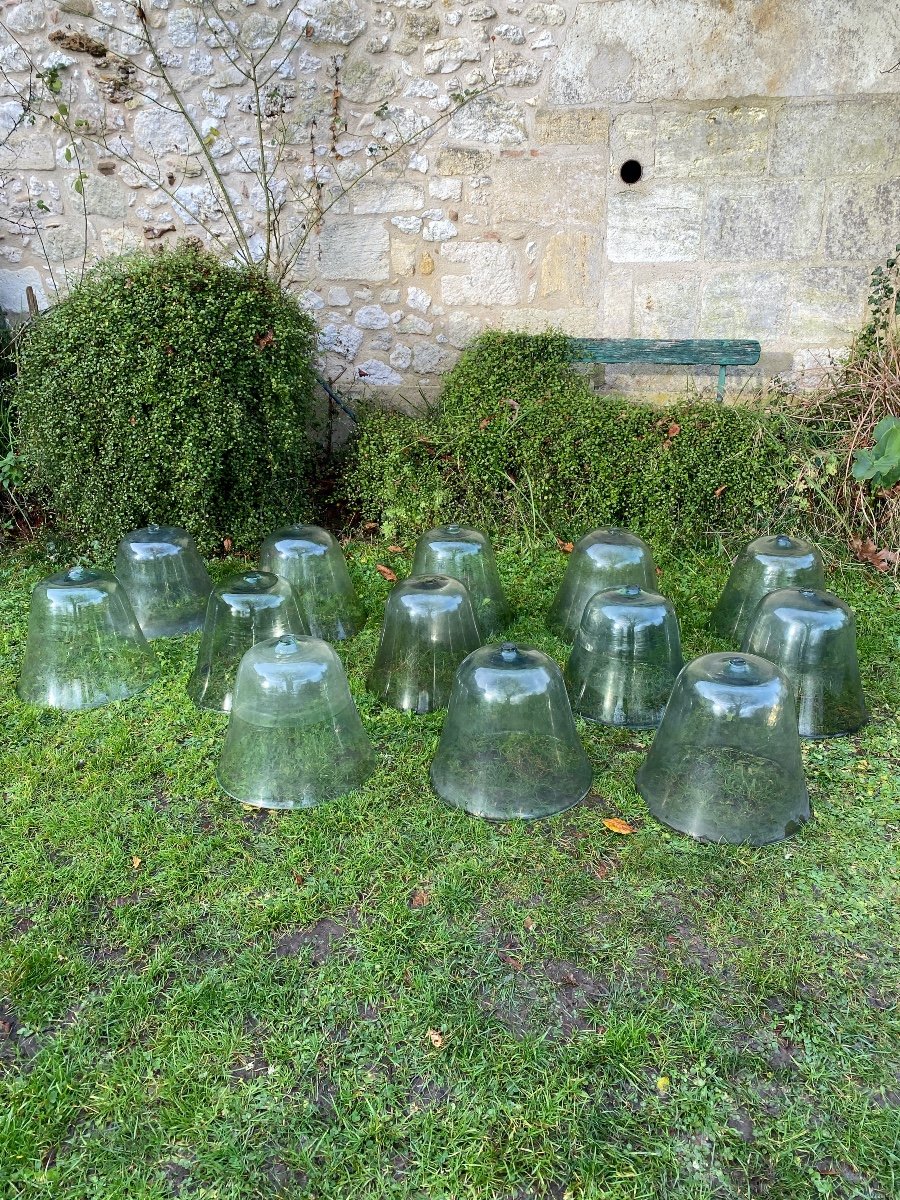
(172, 388)
(519, 439)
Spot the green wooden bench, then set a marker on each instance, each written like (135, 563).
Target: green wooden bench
(712, 352)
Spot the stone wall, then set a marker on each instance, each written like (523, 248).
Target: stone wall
(767, 133)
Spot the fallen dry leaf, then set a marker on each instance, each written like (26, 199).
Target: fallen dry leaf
(227, 544)
(484, 424)
(528, 924)
(419, 898)
(265, 339)
(437, 1039)
(674, 430)
(600, 869)
(865, 550)
(135, 862)
(510, 959)
(396, 550)
(617, 825)
(386, 572)
(566, 547)
(370, 526)
(719, 490)
(298, 879)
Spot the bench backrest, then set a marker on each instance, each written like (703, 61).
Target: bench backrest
(713, 352)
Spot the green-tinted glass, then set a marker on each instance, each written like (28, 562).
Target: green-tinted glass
(626, 657)
(165, 578)
(466, 555)
(603, 559)
(764, 566)
(811, 636)
(245, 609)
(313, 563)
(429, 628)
(294, 736)
(509, 746)
(725, 762)
(85, 647)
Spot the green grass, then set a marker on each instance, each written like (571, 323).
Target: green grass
(197, 1000)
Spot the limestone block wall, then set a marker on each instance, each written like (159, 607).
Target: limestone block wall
(767, 134)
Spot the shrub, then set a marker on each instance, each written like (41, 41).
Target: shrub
(168, 387)
(519, 439)
(842, 478)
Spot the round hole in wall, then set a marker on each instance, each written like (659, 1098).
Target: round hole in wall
(631, 171)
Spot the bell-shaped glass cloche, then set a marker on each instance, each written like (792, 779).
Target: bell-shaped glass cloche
(466, 555)
(767, 564)
(509, 747)
(85, 647)
(313, 563)
(725, 762)
(603, 559)
(626, 657)
(428, 629)
(811, 636)
(294, 736)
(245, 609)
(165, 578)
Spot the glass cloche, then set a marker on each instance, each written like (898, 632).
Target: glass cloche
(811, 636)
(294, 736)
(725, 763)
(247, 608)
(313, 563)
(85, 647)
(509, 747)
(165, 578)
(626, 657)
(606, 558)
(767, 564)
(428, 629)
(466, 555)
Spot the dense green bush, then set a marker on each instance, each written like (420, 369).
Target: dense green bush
(520, 439)
(168, 387)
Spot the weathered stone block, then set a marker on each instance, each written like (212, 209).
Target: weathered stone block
(654, 223)
(442, 58)
(102, 197)
(763, 221)
(566, 266)
(745, 303)
(14, 287)
(575, 322)
(863, 219)
(376, 373)
(25, 151)
(489, 119)
(632, 135)
(727, 140)
(492, 274)
(546, 14)
(837, 137)
(364, 82)
(618, 292)
(707, 49)
(544, 191)
(158, 133)
(828, 303)
(455, 160)
(354, 248)
(395, 195)
(571, 126)
(665, 306)
(339, 21)
(515, 70)
(181, 27)
(431, 360)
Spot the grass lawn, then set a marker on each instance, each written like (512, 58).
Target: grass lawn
(387, 998)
